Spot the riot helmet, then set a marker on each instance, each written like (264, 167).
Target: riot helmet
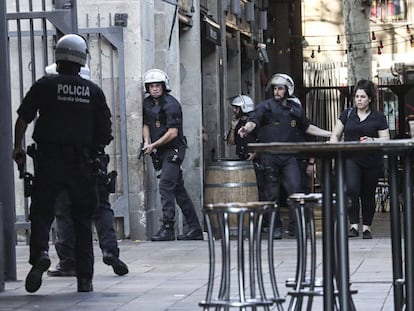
(244, 102)
(156, 76)
(282, 79)
(72, 48)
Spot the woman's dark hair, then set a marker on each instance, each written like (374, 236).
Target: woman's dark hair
(371, 90)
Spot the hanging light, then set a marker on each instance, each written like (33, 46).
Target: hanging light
(313, 54)
(373, 37)
(338, 39)
(381, 45)
(412, 41)
(379, 51)
(304, 42)
(319, 48)
(408, 29)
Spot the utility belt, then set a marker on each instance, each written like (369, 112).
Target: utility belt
(64, 151)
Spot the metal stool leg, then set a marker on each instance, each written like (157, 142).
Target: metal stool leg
(296, 301)
(270, 259)
(211, 250)
(312, 235)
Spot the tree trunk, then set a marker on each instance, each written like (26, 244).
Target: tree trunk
(358, 39)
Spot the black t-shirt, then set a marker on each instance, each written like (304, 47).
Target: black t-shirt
(70, 110)
(162, 116)
(354, 129)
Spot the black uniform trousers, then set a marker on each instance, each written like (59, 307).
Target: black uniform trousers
(172, 188)
(279, 171)
(103, 219)
(60, 169)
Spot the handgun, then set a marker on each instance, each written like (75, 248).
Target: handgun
(141, 151)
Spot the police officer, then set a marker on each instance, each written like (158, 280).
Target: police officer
(242, 106)
(103, 217)
(73, 124)
(277, 120)
(163, 132)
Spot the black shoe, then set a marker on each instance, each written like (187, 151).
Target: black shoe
(194, 234)
(119, 267)
(58, 271)
(277, 233)
(166, 233)
(34, 277)
(352, 233)
(366, 235)
(85, 285)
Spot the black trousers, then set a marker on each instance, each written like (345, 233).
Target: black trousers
(103, 219)
(279, 171)
(172, 189)
(59, 170)
(361, 183)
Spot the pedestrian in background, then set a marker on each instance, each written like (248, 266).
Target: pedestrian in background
(163, 133)
(73, 124)
(363, 123)
(103, 219)
(278, 119)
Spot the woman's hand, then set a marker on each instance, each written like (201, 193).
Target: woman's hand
(365, 139)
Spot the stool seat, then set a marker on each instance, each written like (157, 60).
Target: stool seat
(306, 197)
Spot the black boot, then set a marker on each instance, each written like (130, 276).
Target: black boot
(34, 277)
(119, 267)
(192, 234)
(85, 285)
(166, 233)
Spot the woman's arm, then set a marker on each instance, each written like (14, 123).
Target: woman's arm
(337, 132)
(382, 135)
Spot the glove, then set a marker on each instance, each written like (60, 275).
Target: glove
(296, 112)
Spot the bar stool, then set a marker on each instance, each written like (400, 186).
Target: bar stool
(310, 286)
(249, 226)
(303, 205)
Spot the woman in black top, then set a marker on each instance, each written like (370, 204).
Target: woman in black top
(362, 123)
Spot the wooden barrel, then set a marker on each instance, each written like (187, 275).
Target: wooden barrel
(230, 181)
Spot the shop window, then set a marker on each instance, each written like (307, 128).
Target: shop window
(388, 10)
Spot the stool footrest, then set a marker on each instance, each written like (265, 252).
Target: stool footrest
(292, 282)
(319, 292)
(236, 303)
(306, 292)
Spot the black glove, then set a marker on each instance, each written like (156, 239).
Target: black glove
(296, 111)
